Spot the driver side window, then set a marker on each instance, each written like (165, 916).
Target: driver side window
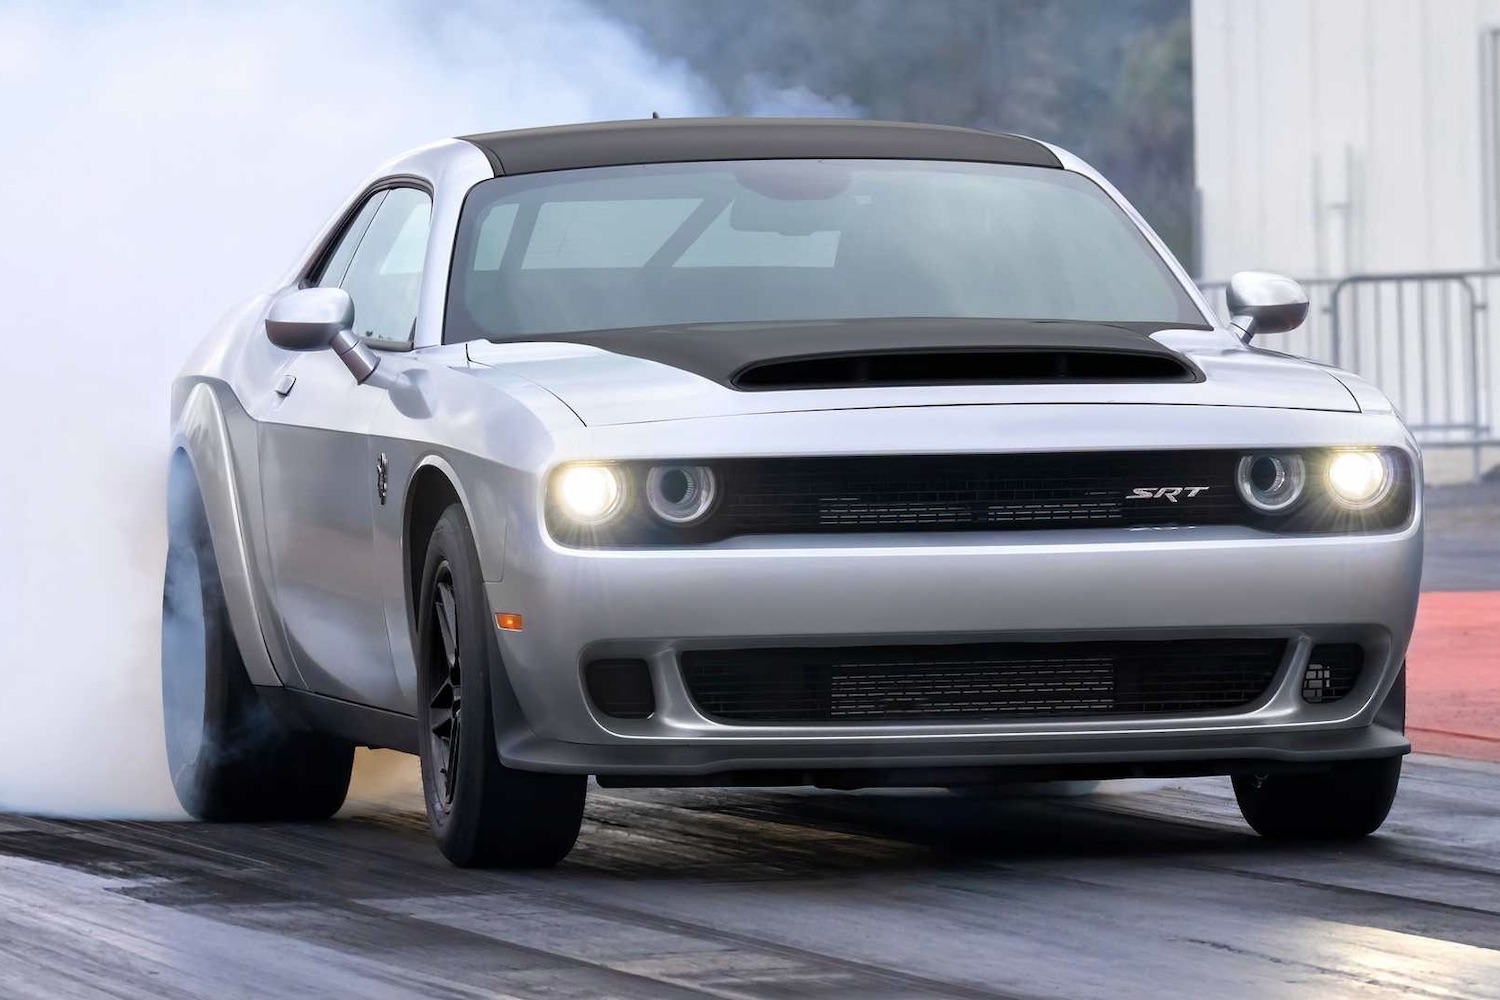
(379, 263)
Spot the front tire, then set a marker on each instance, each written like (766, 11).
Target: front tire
(482, 813)
(232, 759)
(1348, 801)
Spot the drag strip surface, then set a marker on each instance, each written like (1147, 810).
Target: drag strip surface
(1141, 890)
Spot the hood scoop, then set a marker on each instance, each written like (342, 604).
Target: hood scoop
(1007, 366)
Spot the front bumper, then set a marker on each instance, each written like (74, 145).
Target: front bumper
(956, 761)
(1097, 584)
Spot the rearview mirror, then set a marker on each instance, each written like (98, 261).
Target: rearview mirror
(311, 319)
(1262, 302)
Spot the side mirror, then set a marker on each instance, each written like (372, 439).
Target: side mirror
(1262, 302)
(311, 319)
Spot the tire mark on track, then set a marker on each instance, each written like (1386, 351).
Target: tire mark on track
(586, 906)
(176, 868)
(443, 937)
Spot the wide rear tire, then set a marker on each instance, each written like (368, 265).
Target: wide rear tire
(1348, 801)
(231, 758)
(482, 813)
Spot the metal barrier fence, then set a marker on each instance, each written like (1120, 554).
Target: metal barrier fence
(1422, 337)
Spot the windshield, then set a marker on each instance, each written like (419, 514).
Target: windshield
(762, 241)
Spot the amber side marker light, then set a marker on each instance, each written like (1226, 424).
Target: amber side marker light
(508, 620)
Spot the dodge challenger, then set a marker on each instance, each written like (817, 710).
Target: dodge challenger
(773, 452)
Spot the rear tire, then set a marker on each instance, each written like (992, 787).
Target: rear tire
(232, 759)
(482, 813)
(1348, 801)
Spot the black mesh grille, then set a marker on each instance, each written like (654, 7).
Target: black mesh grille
(1332, 671)
(980, 681)
(979, 492)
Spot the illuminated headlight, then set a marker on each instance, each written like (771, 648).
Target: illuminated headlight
(1359, 479)
(681, 494)
(589, 494)
(1271, 483)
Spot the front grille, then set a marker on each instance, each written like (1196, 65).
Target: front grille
(980, 681)
(978, 492)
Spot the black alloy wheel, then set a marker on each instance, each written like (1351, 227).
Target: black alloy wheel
(445, 710)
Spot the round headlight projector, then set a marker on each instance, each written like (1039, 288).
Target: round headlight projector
(680, 494)
(590, 494)
(1359, 479)
(1271, 483)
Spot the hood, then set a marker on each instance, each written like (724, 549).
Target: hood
(642, 376)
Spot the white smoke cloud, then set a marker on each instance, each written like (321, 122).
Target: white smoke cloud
(765, 98)
(162, 161)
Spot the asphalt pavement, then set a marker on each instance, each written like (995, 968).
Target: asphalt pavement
(1138, 890)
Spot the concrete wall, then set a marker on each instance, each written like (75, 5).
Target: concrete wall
(1338, 136)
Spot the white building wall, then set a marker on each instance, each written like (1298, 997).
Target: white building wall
(1339, 136)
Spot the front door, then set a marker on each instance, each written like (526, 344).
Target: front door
(319, 476)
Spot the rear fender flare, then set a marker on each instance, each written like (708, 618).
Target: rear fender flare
(201, 436)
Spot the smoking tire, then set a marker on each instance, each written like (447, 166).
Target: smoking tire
(482, 813)
(1349, 800)
(231, 758)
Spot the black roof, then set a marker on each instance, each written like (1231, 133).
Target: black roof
(680, 140)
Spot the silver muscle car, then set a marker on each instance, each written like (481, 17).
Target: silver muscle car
(768, 452)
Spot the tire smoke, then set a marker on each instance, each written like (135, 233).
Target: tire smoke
(162, 162)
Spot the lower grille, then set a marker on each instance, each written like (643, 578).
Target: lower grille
(1332, 671)
(974, 682)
